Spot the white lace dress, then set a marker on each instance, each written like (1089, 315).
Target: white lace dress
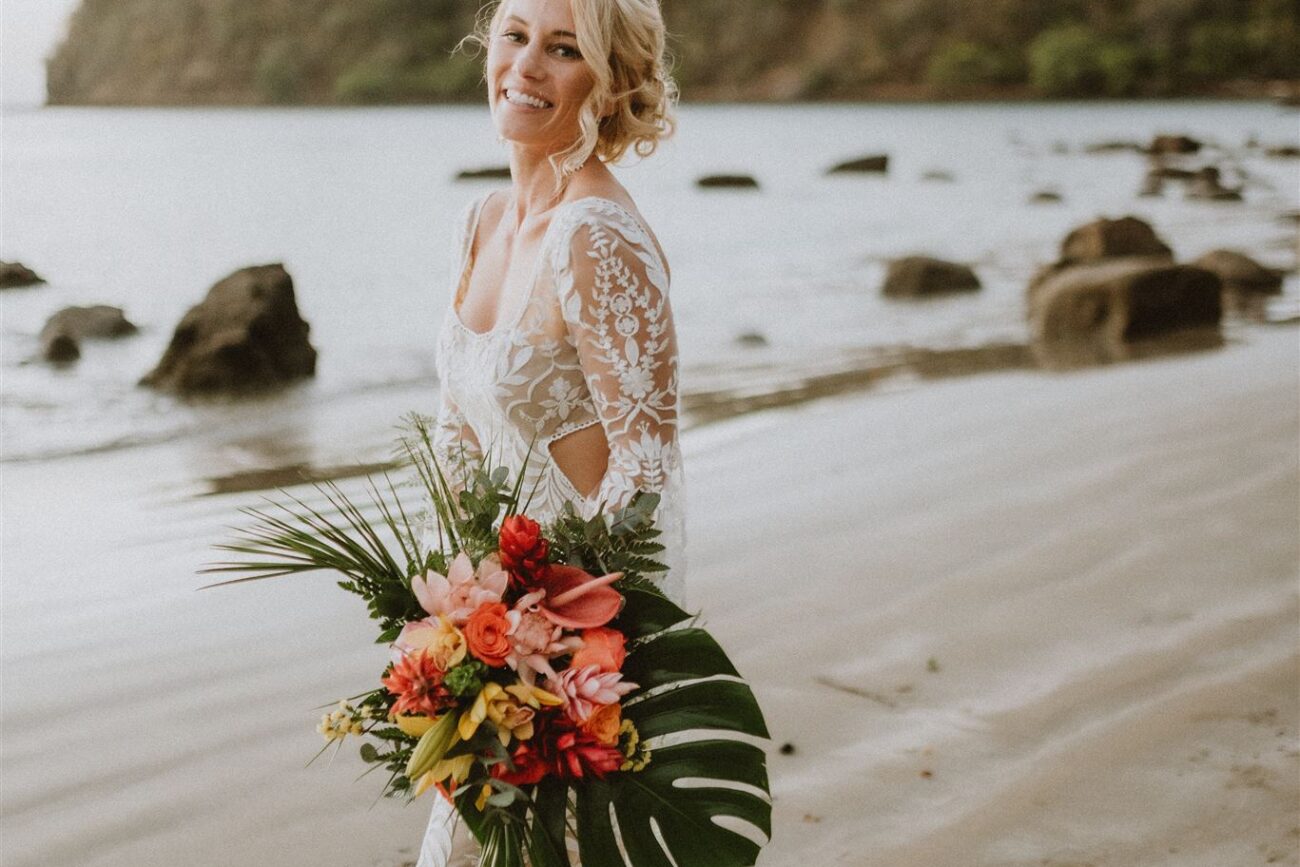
(589, 342)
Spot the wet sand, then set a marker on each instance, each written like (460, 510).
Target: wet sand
(1020, 618)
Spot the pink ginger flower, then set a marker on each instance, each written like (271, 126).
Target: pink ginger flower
(584, 689)
(535, 640)
(460, 592)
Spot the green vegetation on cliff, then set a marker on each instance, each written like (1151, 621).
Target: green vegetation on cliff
(380, 51)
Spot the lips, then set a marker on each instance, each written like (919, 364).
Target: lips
(525, 100)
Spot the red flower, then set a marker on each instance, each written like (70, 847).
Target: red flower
(523, 550)
(417, 682)
(559, 748)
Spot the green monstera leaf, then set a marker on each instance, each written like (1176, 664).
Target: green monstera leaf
(664, 814)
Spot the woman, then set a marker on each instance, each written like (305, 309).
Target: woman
(558, 354)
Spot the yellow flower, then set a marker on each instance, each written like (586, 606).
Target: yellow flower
(414, 725)
(447, 646)
(510, 709)
(483, 795)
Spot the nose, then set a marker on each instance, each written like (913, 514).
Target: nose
(528, 62)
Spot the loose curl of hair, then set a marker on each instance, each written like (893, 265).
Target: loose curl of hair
(623, 43)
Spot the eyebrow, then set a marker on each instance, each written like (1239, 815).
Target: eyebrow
(567, 33)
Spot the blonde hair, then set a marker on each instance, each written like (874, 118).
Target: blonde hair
(624, 45)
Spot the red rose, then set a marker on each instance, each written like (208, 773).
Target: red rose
(523, 550)
(486, 634)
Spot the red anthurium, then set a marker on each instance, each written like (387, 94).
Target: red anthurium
(578, 600)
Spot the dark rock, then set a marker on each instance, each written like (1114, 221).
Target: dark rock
(738, 181)
(1173, 144)
(923, 276)
(16, 274)
(787, 749)
(873, 163)
(490, 173)
(1283, 152)
(1206, 185)
(1043, 197)
(1105, 238)
(1095, 312)
(938, 175)
(97, 320)
(1240, 273)
(1111, 147)
(245, 336)
(60, 348)
(1164, 171)
(751, 338)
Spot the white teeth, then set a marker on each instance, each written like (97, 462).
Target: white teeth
(525, 99)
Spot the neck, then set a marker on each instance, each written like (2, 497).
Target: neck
(533, 181)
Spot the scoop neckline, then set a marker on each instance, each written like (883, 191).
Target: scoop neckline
(465, 265)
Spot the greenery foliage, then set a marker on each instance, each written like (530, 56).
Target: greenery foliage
(348, 51)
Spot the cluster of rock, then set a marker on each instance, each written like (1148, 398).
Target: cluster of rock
(1116, 289)
(245, 336)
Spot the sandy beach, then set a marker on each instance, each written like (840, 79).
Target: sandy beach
(1021, 618)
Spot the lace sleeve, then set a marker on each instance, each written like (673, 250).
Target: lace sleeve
(455, 447)
(614, 299)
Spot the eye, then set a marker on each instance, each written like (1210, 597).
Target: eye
(568, 52)
(511, 34)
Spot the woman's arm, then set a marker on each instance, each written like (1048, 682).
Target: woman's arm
(613, 292)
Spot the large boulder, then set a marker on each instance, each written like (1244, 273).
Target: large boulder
(1099, 312)
(923, 276)
(16, 274)
(245, 336)
(487, 173)
(1240, 273)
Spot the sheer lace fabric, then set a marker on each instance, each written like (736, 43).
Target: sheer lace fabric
(590, 342)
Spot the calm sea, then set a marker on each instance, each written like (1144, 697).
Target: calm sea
(146, 209)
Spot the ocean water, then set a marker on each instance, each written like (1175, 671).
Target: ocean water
(146, 209)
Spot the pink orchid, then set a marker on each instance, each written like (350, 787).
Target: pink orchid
(461, 591)
(535, 640)
(578, 600)
(583, 689)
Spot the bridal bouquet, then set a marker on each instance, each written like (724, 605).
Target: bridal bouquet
(536, 678)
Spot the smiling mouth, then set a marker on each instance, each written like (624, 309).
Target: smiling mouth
(525, 100)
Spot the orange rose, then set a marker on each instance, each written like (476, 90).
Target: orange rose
(485, 633)
(602, 647)
(604, 723)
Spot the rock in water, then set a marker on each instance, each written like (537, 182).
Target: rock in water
(738, 181)
(1207, 185)
(491, 173)
(1173, 144)
(1105, 239)
(1096, 312)
(873, 163)
(97, 320)
(1240, 273)
(60, 348)
(16, 274)
(245, 336)
(923, 276)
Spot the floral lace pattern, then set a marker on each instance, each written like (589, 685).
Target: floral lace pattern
(589, 341)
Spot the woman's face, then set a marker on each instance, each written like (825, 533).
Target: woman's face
(537, 79)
